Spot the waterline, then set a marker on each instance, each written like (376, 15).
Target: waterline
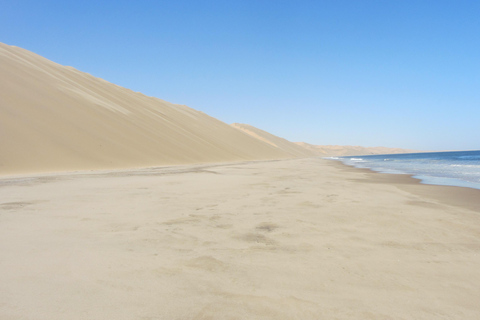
(458, 168)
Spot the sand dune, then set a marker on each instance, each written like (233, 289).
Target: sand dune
(56, 118)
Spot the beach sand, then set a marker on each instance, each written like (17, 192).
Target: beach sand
(289, 239)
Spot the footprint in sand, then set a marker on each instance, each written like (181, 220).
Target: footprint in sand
(267, 227)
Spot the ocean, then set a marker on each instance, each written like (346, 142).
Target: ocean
(458, 168)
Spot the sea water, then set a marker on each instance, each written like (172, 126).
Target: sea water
(458, 168)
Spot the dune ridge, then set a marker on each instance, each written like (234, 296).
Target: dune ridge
(56, 118)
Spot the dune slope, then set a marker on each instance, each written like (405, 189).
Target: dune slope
(303, 149)
(56, 118)
(281, 143)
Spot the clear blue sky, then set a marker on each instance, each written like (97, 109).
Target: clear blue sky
(373, 73)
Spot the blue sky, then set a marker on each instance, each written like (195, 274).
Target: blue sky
(372, 73)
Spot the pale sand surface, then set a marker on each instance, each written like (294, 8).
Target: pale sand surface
(290, 239)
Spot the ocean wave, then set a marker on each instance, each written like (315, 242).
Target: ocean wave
(443, 168)
(466, 165)
(471, 157)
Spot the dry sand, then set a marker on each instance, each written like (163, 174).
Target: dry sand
(290, 239)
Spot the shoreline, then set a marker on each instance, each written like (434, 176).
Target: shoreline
(126, 171)
(464, 197)
(289, 239)
(433, 168)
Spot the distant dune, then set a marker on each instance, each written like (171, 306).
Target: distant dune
(351, 150)
(303, 149)
(56, 118)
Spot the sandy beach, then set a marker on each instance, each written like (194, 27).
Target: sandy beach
(288, 239)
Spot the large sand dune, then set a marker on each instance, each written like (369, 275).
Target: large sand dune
(56, 118)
